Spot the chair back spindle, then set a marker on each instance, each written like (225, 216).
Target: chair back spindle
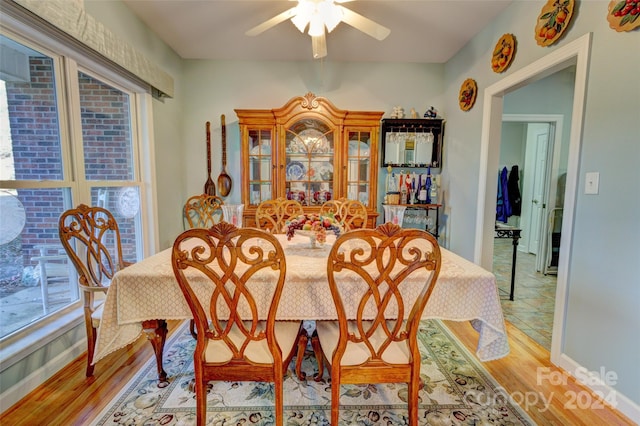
(379, 313)
(203, 211)
(221, 271)
(272, 215)
(351, 213)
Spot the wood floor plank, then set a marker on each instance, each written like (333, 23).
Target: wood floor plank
(69, 398)
(518, 374)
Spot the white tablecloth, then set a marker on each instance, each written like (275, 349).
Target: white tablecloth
(148, 290)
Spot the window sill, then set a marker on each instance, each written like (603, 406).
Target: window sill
(24, 343)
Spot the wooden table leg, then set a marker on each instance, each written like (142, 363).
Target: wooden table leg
(302, 345)
(317, 351)
(156, 331)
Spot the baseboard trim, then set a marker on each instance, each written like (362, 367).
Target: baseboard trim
(622, 403)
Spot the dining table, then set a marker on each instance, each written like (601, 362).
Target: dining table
(143, 296)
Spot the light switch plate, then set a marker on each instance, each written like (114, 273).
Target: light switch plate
(591, 182)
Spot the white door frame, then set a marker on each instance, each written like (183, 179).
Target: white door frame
(574, 53)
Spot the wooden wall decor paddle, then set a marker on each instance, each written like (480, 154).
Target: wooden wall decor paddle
(224, 180)
(209, 186)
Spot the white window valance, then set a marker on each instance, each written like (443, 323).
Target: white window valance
(71, 18)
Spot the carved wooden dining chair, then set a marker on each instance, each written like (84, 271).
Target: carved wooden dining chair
(351, 213)
(91, 238)
(272, 215)
(375, 337)
(203, 211)
(238, 339)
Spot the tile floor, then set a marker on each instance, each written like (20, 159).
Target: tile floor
(534, 296)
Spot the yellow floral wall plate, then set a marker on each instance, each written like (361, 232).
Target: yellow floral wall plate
(503, 53)
(468, 92)
(624, 15)
(553, 21)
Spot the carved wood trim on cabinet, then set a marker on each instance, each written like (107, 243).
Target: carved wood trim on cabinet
(311, 150)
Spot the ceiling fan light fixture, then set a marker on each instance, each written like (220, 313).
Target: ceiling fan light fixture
(303, 13)
(300, 23)
(314, 15)
(330, 13)
(316, 26)
(319, 46)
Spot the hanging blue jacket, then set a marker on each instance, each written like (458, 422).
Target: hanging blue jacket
(503, 207)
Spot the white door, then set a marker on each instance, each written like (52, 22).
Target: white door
(537, 203)
(533, 196)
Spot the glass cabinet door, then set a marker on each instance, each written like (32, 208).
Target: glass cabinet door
(309, 155)
(359, 166)
(310, 151)
(261, 152)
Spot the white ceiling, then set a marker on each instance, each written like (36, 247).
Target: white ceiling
(425, 31)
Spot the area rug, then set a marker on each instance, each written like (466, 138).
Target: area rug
(457, 391)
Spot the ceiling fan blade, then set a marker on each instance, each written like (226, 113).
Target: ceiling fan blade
(258, 29)
(319, 45)
(363, 24)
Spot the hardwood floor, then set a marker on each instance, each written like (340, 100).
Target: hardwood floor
(69, 398)
(519, 375)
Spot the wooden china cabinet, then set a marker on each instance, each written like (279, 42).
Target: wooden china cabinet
(310, 151)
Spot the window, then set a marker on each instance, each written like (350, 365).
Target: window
(68, 135)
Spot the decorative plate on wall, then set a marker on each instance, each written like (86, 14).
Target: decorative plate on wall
(624, 15)
(468, 92)
(503, 53)
(553, 21)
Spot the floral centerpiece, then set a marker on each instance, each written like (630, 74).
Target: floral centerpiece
(313, 224)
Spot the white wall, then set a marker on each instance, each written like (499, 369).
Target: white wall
(551, 95)
(512, 145)
(512, 153)
(216, 88)
(602, 315)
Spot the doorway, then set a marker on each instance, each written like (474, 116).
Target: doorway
(575, 54)
(534, 142)
(530, 147)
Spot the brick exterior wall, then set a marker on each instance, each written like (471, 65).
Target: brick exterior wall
(33, 116)
(105, 131)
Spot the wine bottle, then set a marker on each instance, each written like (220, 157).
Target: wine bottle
(428, 186)
(433, 192)
(422, 191)
(414, 190)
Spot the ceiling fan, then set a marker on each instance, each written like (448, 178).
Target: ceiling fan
(318, 14)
